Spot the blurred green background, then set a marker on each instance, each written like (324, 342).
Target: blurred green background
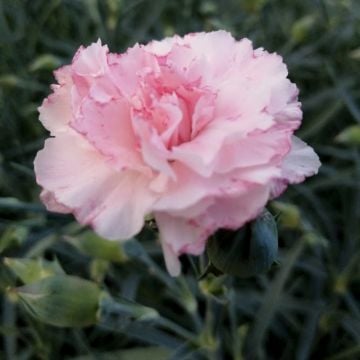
(306, 308)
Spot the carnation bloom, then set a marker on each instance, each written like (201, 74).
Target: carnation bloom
(196, 131)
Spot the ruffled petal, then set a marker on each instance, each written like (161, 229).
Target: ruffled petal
(108, 127)
(258, 148)
(49, 200)
(114, 203)
(153, 150)
(121, 211)
(232, 212)
(300, 162)
(129, 68)
(55, 111)
(190, 194)
(216, 47)
(186, 190)
(221, 134)
(91, 61)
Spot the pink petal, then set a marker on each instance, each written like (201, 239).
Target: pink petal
(187, 190)
(190, 194)
(255, 94)
(203, 113)
(108, 127)
(49, 200)
(91, 61)
(216, 47)
(63, 74)
(55, 111)
(201, 153)
(232, 212)
(258, 148)
(166, 117)
(301, 162)
(120, 212)
(178, 236)
(172, 261)
(103, 89)
(114, 203)
(89, 64)
(153, 150)
(129, 68)
(163, 47)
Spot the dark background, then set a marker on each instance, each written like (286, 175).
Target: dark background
(307, 307)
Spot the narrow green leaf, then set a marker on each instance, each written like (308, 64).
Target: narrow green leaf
(271, 299)
(140, 353)
(13, 204)
(119, 312)
(290, 216)
(348, 354)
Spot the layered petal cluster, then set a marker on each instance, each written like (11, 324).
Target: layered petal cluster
(196, 131)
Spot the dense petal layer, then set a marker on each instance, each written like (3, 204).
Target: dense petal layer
(108, 127)
(153, 150)
(230, 147)
(190, 193)
(196, 130)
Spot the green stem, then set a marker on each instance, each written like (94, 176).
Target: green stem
(177, 329)
(208, 339)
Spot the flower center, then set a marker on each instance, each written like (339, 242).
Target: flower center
(170, 107)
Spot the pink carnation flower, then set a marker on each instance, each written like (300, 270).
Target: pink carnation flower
(196, 131)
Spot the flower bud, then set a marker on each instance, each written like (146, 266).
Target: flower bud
(349, 136)
(251, 251)
(302, 28)
(61, 300)
(290, 216)
(45, 62)
(10, 80)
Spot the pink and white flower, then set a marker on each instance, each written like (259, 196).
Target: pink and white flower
(196, 131)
